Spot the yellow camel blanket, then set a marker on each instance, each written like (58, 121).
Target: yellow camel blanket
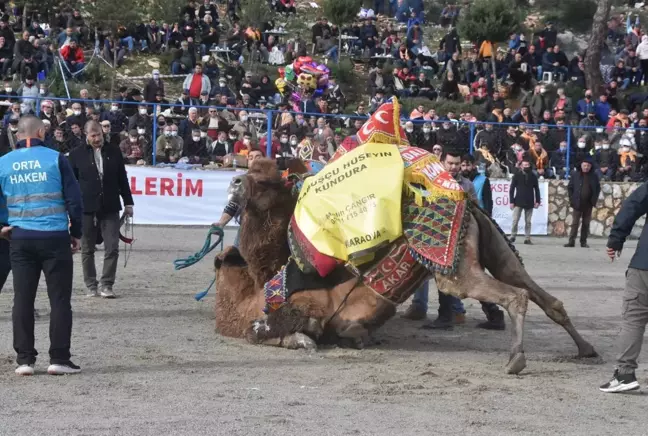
(353, 205)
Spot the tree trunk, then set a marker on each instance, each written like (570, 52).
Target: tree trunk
(494, 67)
(24, 17)
(593, 78)
(114, 71)
(339, 53)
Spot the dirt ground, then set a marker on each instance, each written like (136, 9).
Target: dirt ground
(152, 364)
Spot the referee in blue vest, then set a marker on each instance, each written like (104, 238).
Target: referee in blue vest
(44, 207)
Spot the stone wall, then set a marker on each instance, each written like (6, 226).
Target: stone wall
(610, 200)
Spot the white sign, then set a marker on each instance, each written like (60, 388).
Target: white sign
(166, 196)
(503, 214)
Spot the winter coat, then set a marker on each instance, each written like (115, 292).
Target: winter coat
(575, 187)
(524, 191)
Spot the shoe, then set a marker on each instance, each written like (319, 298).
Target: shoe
(92, 293)
(584, 245)
(107, 293)
(621, 383)
(569, 245)
(439, 324)
(459, 318)
(512, 239)
(414, 313)
(25, 370)
(494, 321)
(63, 368)
(528, 242)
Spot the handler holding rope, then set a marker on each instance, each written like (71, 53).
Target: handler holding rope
(232, 209)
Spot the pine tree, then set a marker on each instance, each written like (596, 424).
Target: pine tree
(490, 20)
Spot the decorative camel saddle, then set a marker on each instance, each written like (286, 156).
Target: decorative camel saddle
(381, 209)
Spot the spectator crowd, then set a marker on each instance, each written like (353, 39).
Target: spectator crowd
(522, 110)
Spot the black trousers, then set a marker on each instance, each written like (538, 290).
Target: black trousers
(5, 262)
(577, 215)
(54, 258)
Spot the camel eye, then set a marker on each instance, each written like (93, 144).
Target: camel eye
(238, 181)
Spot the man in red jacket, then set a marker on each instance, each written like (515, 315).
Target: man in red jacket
(73, 56)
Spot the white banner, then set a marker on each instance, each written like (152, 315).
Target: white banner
(503, 214)
(167, 196)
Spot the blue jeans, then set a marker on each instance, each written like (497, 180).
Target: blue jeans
(128, 41)
(176, 68)
(237, 237)
(333, 53)
(421, 300)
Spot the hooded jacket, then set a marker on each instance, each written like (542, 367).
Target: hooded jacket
(642, 49)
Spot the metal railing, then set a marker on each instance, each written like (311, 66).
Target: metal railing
(265, 120)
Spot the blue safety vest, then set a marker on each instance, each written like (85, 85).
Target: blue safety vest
(478, 183)
(32, 186)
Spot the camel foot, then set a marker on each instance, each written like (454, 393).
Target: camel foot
(587, 351)
(297, 341)
(516, 364)
(355, 343)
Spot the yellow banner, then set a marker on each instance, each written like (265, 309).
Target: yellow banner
(353, 205)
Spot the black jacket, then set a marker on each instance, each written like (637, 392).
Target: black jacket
(101, 197)
(633, 208)
(524, 190)
(575, 187)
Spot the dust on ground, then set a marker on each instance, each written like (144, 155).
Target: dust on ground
(153, 365)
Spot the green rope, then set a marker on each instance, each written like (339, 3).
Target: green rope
(197, 257)
(204, 251)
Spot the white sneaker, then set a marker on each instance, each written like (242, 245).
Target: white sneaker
(92, 293)
(63, 368)
(107, 293)
(25, 370)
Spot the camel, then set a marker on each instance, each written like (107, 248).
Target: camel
(351, 311)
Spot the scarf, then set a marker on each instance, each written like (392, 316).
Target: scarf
(486, 154)
(623, 157)
(539, 160)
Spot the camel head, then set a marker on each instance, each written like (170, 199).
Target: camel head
(260, 188)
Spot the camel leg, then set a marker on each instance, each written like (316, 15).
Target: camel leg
(474, 283)
(503, 264)
(258, 333)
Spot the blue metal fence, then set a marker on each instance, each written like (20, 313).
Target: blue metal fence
(269, 114)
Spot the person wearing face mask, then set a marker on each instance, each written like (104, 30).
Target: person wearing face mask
(132, 148)
(168, 148)
(428, 138)
(294, 144)
(47, 112)
(141, 118)
(589, 124)
(220, 148)
(188, 125)
(412, 135)
(524, 195)
(585, 105)
(322, 132)
(244, 125)
(153, 86)
(584, 188)
(558, 160)
(78, 116)
(284, 145)
(244, 145)
(606, 162)
(579, 152)
(116, 117)
(195, 148)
